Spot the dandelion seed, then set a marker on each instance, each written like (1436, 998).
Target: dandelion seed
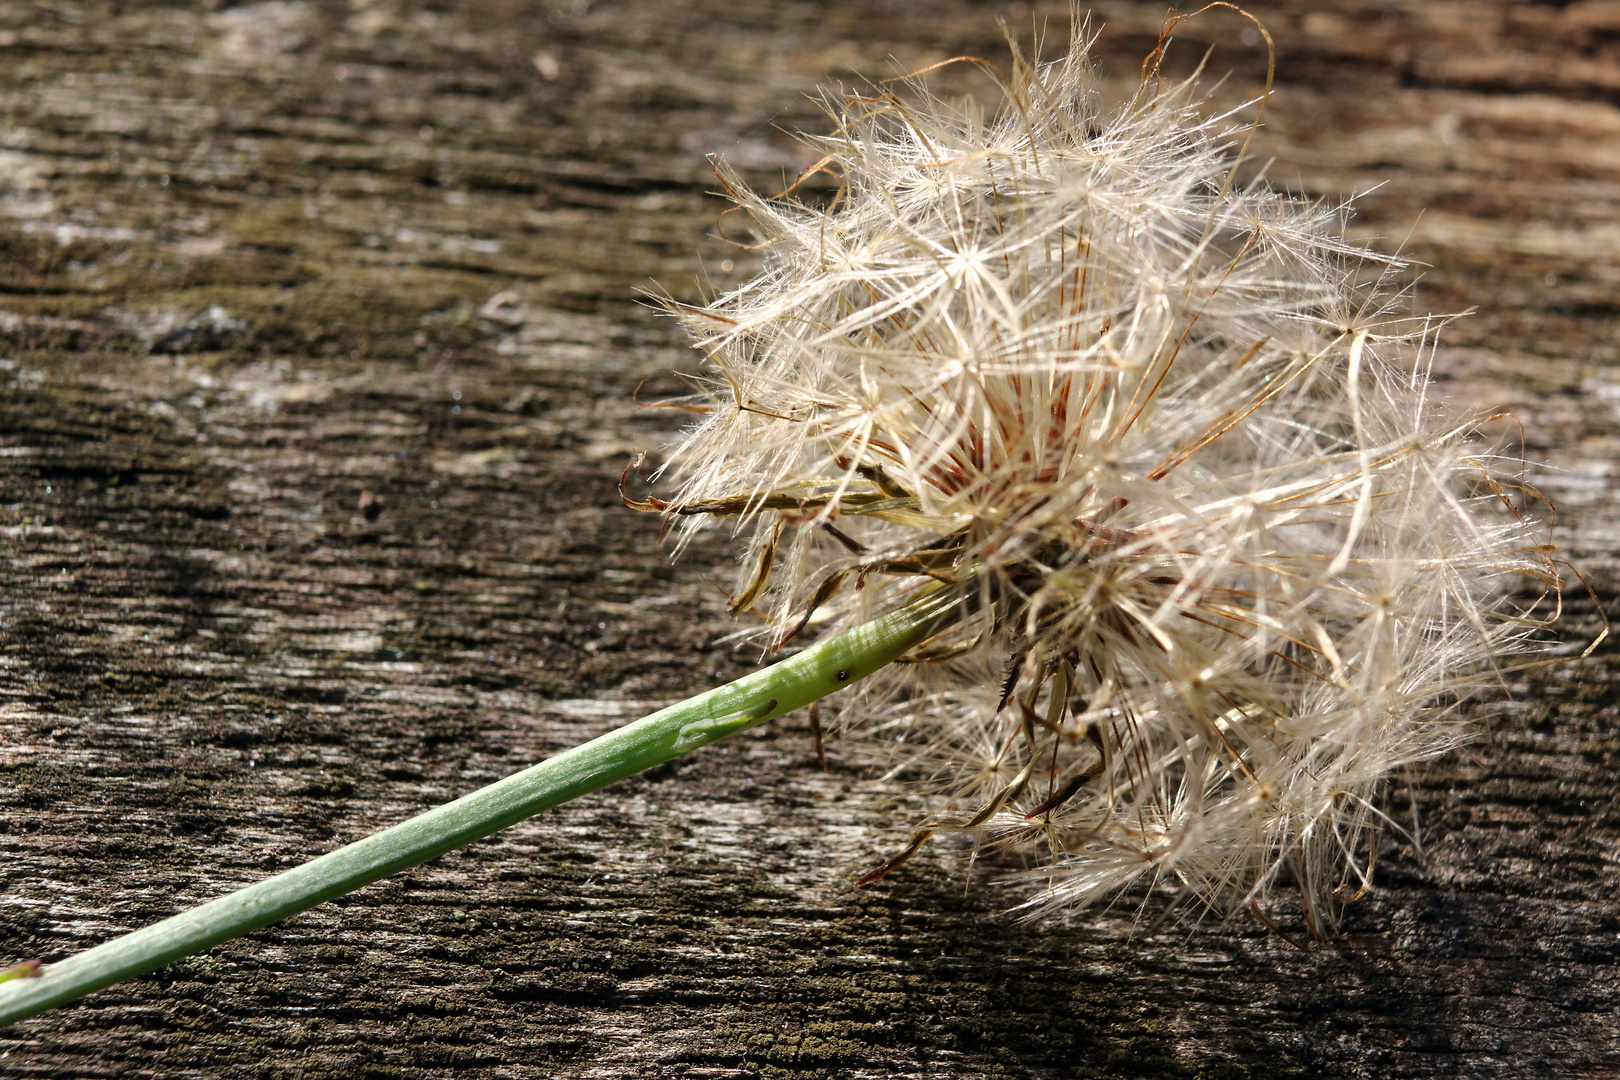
(1222, 563)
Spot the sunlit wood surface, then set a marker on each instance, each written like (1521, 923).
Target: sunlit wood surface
(257, 262)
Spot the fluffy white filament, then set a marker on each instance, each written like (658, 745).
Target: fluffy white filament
(1224, 563)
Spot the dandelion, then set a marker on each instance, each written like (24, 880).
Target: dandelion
(1221, 564)
(1121, 489)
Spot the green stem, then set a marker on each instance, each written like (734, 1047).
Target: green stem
(774, 691)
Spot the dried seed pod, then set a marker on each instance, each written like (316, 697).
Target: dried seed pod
(1171, 440)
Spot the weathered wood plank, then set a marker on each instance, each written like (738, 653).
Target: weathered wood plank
(213, 663)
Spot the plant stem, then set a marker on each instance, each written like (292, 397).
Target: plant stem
(774, 691)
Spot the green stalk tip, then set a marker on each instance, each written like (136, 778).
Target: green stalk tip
(822, 669)
(28, 969)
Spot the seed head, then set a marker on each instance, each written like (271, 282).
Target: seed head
(1223, 563)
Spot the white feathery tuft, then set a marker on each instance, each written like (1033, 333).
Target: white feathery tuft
(1225, 564)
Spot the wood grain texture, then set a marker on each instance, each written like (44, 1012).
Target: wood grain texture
(259, 260)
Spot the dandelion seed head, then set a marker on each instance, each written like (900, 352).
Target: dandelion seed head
(1223, 564)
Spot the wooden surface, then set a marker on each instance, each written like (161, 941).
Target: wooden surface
(249, 257)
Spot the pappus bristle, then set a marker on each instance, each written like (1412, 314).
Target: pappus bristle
(1225, 564)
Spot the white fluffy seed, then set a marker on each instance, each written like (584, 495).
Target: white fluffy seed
(1225, 563)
